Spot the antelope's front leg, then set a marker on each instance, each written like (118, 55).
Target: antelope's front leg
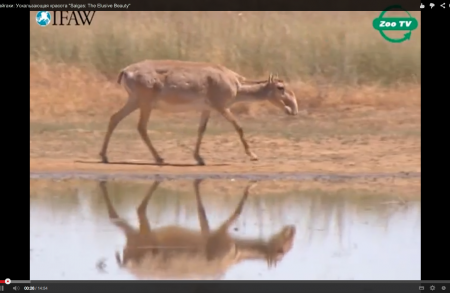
(226, 113)
(145, 229)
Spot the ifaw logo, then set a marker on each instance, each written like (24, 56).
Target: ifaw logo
(44, 18)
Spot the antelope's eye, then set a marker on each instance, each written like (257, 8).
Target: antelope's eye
(280, 87)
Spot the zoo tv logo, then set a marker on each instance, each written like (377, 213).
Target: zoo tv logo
(44, 18)
(382, 24)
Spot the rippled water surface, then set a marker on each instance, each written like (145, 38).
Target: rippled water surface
(337, 233)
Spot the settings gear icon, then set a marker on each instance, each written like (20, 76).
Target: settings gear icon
(432, 288)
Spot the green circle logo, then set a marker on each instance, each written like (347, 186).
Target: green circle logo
(383, 24)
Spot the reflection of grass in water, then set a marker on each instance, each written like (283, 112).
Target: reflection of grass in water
(328, 208)
(57, 197)
(324, 208)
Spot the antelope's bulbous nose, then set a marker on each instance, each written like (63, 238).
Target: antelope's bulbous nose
(290, 111)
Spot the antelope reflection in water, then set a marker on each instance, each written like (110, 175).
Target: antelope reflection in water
(177, 252)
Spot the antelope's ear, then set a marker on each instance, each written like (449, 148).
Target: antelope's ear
(119, 262)
(289, 231)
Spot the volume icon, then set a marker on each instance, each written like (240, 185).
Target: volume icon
(16, 288)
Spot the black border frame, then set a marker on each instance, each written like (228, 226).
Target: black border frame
(15, 207)
(435, 249)
(229, 5)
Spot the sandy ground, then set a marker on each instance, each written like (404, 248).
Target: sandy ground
(224, 154)
(77, 151)
(319, 160)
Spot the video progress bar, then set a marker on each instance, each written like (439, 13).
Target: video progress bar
(15, 282)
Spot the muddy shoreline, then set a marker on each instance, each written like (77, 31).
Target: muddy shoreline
(242, 176)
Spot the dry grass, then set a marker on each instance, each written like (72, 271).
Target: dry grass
(331, 58)
(339, 46)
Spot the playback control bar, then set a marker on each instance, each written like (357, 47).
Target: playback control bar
(231, 286)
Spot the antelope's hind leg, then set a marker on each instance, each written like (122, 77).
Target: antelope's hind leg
(144, 117)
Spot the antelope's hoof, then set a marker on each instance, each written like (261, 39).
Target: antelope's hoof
(104, 159)
(159, 161)
(200, 161)
(253, 157)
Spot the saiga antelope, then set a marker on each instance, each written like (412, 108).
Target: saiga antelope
(177, 252)
(179, 86)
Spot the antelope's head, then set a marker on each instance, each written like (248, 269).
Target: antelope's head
(281, 96)
(126, 257)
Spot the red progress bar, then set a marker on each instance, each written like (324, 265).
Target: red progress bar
(2, 281)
